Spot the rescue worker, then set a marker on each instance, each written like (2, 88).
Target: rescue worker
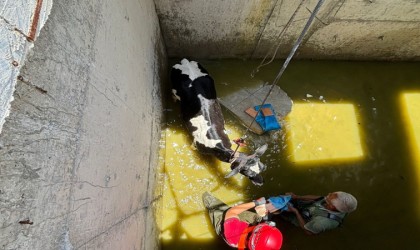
(243, 229)
(315, 214)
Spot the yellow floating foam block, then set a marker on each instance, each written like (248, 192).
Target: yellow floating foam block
(187, 176)
(411, 116)
(167, 212)
(323, 132)
(198, 226)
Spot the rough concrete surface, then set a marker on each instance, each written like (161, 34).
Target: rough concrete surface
(79, 149)
(20, 23)
(343, 29)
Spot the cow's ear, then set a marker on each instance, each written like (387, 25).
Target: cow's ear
(257, 180)
(233, 172)
(261, 150)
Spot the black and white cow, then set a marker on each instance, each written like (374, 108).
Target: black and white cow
(203, 116)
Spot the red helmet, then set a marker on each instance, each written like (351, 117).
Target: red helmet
(265, 237)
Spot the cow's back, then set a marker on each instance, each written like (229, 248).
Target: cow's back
(190, 80)
(201, 111)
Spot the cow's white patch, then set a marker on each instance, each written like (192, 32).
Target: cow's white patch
(255, 168)
(205, 103)
(200, 135)
(189, 68)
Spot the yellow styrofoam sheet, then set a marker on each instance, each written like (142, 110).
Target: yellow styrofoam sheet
(322, 132)
(187, 176)
(411, 113)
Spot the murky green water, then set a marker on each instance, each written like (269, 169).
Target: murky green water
(384, 180)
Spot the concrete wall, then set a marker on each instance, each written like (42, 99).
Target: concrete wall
(20, 23)
(79, 149)
(344, 29)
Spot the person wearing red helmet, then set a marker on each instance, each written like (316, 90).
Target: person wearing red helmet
(241, 228)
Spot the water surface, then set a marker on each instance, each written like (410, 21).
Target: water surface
(382, 174)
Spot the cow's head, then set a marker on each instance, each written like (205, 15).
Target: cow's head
(249, 166)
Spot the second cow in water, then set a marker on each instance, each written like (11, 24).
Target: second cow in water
(201, 112)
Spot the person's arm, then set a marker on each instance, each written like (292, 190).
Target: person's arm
(233, 212)
(303, 197)
(300, 220)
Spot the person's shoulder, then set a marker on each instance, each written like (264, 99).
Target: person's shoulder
(233, 228)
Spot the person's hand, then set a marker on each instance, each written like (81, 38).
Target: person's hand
(261, 210)
(270, 207)
(240, 142)
(259, 201)
(292, 195)
(291, 208)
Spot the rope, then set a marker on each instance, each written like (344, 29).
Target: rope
(289, 57)
(262, 64)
